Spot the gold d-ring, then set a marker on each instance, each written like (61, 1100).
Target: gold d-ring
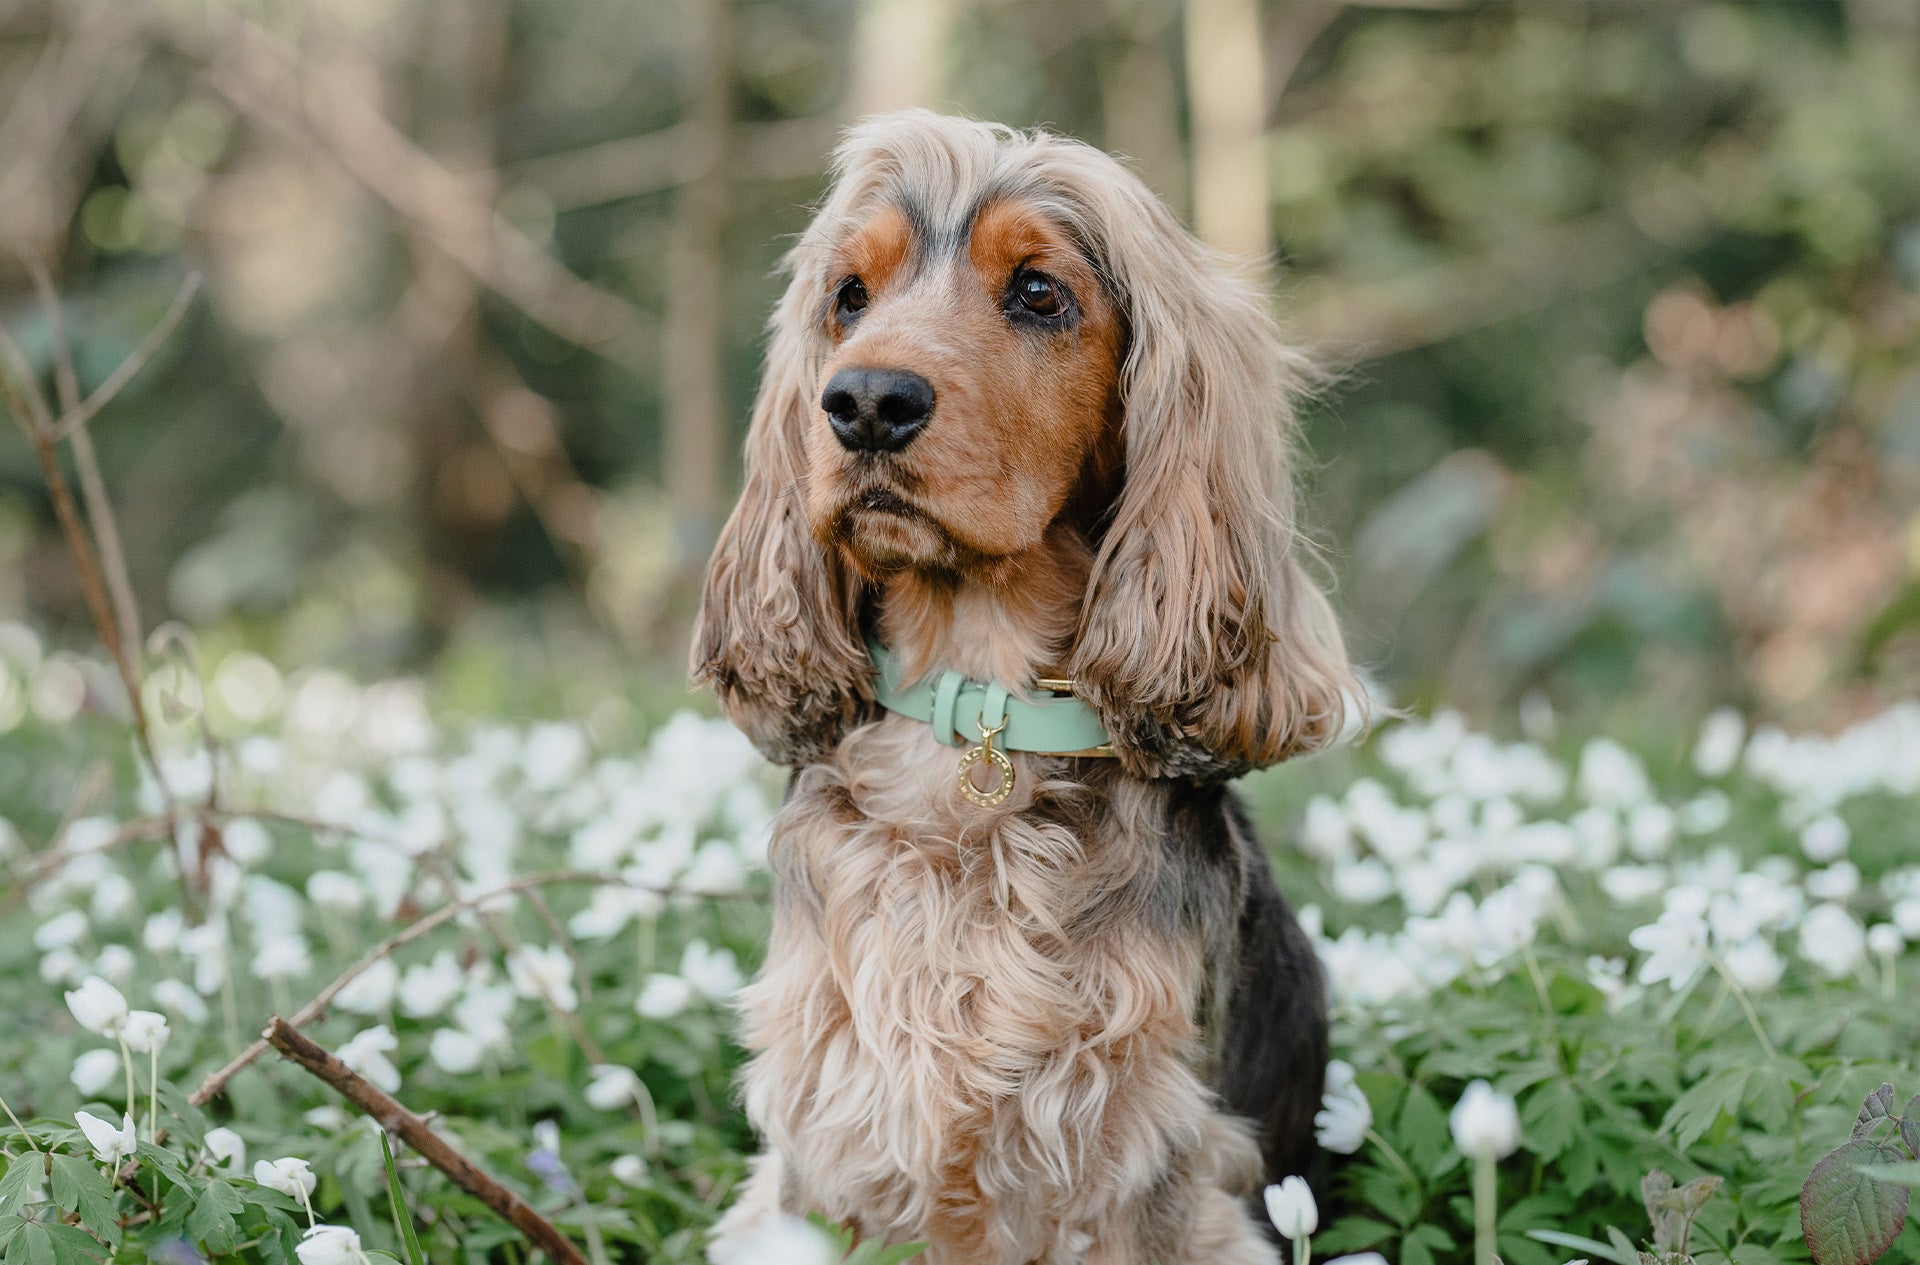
(986, 751)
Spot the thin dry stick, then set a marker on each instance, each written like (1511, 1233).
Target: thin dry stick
(82, 413)
(396, 1119)
(31, 412)
(217, 1081)
(56, 858)
(93, 488)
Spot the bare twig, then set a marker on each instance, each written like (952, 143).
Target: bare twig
(57, 857)
(790, 149)
(260, 76)
(35, 419)
(78, 415)
(73, 428)
(396, 1119)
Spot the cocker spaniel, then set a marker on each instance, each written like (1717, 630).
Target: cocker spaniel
(1014, 588)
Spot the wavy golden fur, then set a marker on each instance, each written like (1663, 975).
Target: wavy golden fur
(1080, 1025)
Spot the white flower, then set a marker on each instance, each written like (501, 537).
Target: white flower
(1633, 884)
(1885, 940)
(1291, 1208)
(1676, 948)
(371, 991)
(98, 1006)
(1345, 1115)
(181, 1000)
(612, 1087)
(428, 988)
(456, 1050)
(544, 973)
(115, 964)
(335, 891)
(1832, 940)
(1612, 775)
(1825, 838)
(367, 1054)
(94, 1071)
(282, 955)
(714, 973)
(1367, 1258)
(330, 1245)
(228, 1149)
(1906, 916)
(110, 1145)
(145, 1030)
(779, 1240)
(1722, 735)
(162, 931)
(664, 996)
(716, 870)
(1838, 881)
(291, 1177)
(1650, 829)
(1362, 882)
(1754, 965)
(61, 931)
(629, 1170)
(206, 947)
(1486, 1124)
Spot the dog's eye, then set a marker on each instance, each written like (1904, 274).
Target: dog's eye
(1040, 294)
(852, 298)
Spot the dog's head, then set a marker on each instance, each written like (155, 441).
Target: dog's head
(988, 335)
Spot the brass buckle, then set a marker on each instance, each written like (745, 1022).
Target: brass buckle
(986, 751)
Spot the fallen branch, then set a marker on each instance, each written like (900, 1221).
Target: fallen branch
(396, 1119)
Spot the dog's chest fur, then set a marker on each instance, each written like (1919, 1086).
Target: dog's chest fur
(975, 1026)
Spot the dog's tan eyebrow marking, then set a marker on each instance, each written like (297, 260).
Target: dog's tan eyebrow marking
(878, 249)
(1007, 234)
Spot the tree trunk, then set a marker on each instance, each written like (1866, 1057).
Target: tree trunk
(698, 428)
(1227, 96)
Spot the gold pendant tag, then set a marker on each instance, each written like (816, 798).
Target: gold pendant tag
(1003, 786)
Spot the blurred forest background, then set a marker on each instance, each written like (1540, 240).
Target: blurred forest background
(1624, 296)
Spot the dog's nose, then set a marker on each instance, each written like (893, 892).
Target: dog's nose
(877, 410)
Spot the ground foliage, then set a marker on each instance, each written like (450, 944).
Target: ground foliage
(1690, 962)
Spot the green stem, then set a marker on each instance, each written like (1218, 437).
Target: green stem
(153, 1092)
(1399, 1162)
(1740, 995)
(126, 1064)
(19, 1126)
(1303, 1249)
(1484, 1210)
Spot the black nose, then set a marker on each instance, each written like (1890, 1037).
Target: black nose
(877, 410)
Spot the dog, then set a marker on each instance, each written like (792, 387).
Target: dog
(1020, 461)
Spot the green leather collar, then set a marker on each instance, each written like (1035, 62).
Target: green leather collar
(962, 710)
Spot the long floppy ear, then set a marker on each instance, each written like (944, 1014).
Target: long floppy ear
(778, 630)
(1205, 644)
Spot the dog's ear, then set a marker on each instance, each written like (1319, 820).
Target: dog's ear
(1205, 644)
(778, 630)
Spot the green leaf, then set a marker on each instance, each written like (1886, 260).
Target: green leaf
(31, 1244)
(1877, 1108)
(1352, 1234)
(1423, 1124)
(1550, 1119)
(1592, 1247)
(1847, 1216)
(21, 1180)
(211, 1223)
(79, 1187)
(400, 1214)
(75, 1247)
(1697, 1109)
